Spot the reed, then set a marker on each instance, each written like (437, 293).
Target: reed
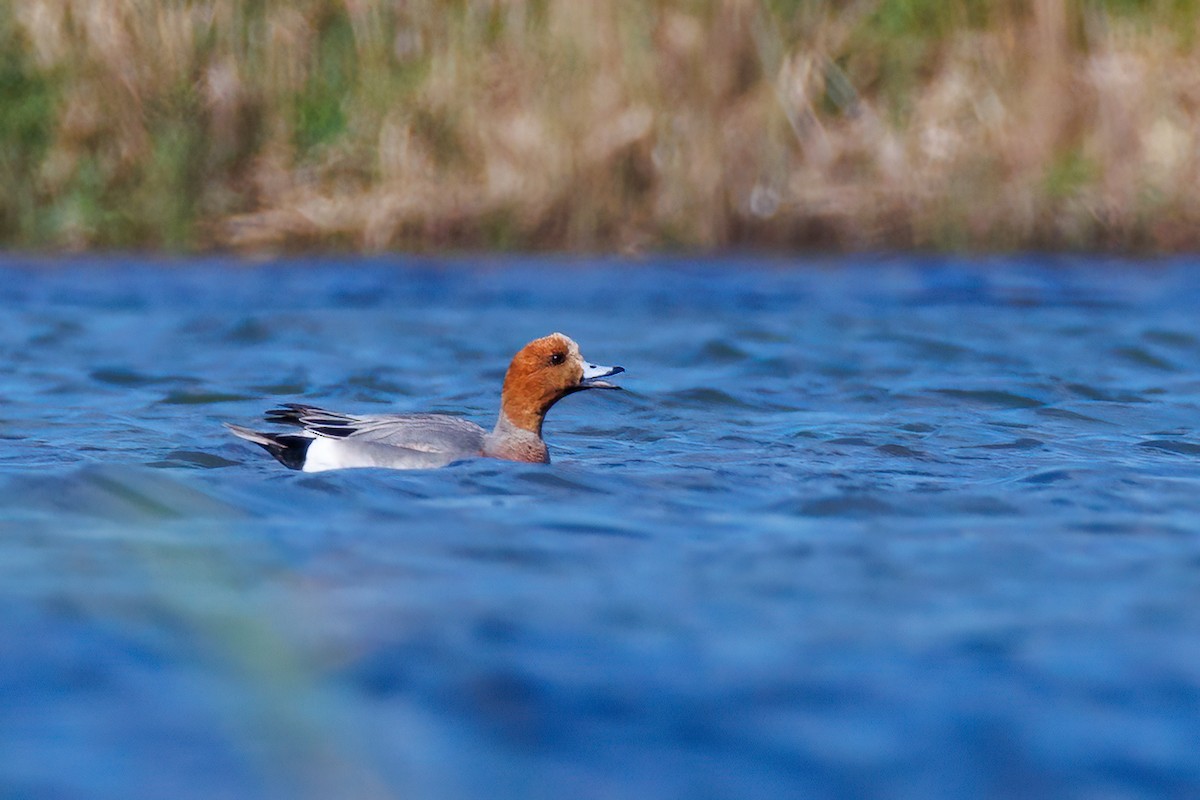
(570, 124)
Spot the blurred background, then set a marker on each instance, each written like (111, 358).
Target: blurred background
(368, 125)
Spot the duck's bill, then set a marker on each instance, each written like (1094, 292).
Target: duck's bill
(593, 375)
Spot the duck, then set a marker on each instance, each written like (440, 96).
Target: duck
(541, 373)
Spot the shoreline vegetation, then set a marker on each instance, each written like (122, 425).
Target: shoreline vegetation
(376, 125)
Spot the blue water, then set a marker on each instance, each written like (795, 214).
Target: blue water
(897, 529)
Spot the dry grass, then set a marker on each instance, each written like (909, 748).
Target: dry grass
(377, 124)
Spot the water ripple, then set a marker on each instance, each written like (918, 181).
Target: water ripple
(843, 528)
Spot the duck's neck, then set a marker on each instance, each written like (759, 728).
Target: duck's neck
(523, 406)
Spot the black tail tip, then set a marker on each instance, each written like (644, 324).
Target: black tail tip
(288, 449)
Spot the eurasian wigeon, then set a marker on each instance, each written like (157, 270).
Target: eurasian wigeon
(541, 373)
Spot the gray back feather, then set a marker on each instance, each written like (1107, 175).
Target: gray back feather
(429, 433)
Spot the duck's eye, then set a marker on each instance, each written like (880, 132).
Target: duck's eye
(557, 358)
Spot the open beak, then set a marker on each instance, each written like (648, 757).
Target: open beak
(592, 373)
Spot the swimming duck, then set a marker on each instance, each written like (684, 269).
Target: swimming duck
(541, 373)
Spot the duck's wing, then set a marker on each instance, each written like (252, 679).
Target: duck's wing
(429, 433)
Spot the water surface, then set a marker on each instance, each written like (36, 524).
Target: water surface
(904, 529)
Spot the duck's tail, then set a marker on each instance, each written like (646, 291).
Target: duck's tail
(288, 448)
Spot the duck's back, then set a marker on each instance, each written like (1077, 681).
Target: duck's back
(430, 432)
(398, 441)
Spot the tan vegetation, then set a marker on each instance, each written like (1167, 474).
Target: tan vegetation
(579, 124)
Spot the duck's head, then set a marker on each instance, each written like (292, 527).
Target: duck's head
(543, 372)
